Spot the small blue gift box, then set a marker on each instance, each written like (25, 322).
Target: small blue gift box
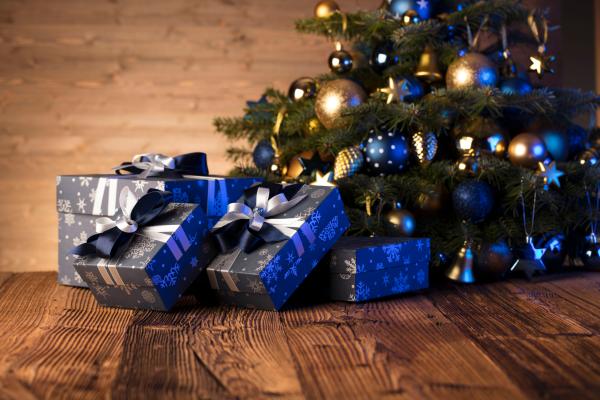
(364, 268)
(266, 276)
(83, 198)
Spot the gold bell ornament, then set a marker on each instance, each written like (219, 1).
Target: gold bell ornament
(463, 265)
(428, 69)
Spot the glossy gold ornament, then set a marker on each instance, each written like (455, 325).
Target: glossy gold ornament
(326, 8)
(334, 98)
(410, 17)
(399, 222)
(463, 265)
(424, 146)
(348, 162)
(432, 200)
(527, 150)
(294, 168)
(468, 164)
(473, 70)
(480, 135)
(312, 126)
(428, 68)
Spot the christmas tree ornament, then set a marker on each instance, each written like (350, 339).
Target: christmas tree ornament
(557, 143)
(323, 179)
(541, 63)
(406, 88)
(529, 259)
(481, 135)
(397, 8)
(527, 150)
(516, 86)
(313, 126)
(432, 200)
(463, 266)
(410, 17)
(494, 261)
(348, 162)
(509, 67)
(468, 164)
(579, 139)
(340, 61)
(473, 201)
(473, 70)
(556, 251)
(424, 146)
(550, 174)
(590, 254)
(254, 112)
(428, 68)
(384, 56)
(386, 153)
(326, 8)
(589, 157)
(334, 98)
(306, 163)
(399, 222)
(302, 88)
(263, 155)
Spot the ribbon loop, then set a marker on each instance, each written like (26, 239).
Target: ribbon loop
(252, 223)
(159, 165)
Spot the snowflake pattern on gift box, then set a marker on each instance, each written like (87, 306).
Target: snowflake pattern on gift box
(160, 185)
(84, 181)
(100, 291)
(350, 265)
(92, 195)
(400, 283)
(316, 194)
(256, 287)
(179, 196)
(140, 185)
(91, 278)
(363, 292)
(81, 205)
(329, 231)
(385, 279)
(140, 246)
(82, 238)
(314, 220)
(194, 262)
(64, 206)
(69, 219)
(420, 246)
(169, 280)
(271, 270)
(77, 278)
(262, 263)
(293, 270)
(392, 252)
(421, 277)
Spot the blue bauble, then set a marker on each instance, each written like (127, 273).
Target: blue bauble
(494, 260)
(399, 7)
(473, 201)
(386, 152)
(557, 143)
(516, 86)
(263, 154)
(556, 250)
(578, 139)
(384, 56)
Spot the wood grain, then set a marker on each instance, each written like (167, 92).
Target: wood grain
(508, 340)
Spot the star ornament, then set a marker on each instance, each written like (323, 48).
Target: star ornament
(530, 260)
(323, 179)
(551, 174)
(397, 91)
(423, 4)
(315, 163)
(541, 64)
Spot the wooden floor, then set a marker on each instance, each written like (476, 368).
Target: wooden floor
(508, 340)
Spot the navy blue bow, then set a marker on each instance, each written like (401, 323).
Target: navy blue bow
(158, 165)
(135, 215)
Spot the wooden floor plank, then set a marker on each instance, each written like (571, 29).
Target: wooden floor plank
(546, 353)
(401, 348)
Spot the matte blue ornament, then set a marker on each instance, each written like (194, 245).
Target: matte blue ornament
(557, 143)
(578, 139)
(399, 7)
(263, 154)
(495, 260)
(516, 86)
(384, 56)
(386, 152)
(473, 201)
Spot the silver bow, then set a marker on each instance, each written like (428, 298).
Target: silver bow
(152, 163)
(265, 211)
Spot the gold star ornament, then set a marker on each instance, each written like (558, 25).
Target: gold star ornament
(325, 179)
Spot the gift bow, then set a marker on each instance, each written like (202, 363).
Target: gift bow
(135, 217)
(252, 223)
(154, 164)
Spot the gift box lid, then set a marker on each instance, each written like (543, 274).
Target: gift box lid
(97, 194)
(352, 255)
(279, 268)
(166, 264)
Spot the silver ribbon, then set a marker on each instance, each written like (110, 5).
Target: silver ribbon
(265, 211)
(157, 163)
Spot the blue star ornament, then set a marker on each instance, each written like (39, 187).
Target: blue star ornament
(530, 260)
(551, 174)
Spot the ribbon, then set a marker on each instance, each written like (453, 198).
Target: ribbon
(159, 165)
(251, 223)
(135, 217)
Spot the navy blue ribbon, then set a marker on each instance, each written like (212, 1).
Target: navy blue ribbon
(238, 233)
(157, 165)
(107, 243)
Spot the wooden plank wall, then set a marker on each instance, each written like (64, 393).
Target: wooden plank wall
(85, 85)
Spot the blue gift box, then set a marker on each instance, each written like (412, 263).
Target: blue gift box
(267, 277)
(364, 268)
(83, 198)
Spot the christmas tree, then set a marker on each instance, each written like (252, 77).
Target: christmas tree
(429, 128)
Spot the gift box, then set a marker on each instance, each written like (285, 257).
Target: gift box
(83, 198)
(151, 267)
(363, 268)
(274, 245)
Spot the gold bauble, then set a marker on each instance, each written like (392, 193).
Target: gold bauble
(428, 68)
(432, 200)
(526, 150)
(334, 98)
(468, 164)
(312, 126)
(294, 167)
(424, 146)
(473, 70)
(399, 222)
(326, 8)
(480, 135)
(348, 162)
